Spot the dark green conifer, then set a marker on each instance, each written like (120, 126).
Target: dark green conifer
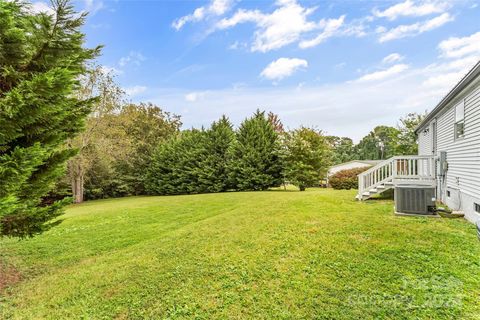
(41, 59)
(218, 155)
(256, 164)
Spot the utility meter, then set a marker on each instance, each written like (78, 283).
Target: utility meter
(443, 164)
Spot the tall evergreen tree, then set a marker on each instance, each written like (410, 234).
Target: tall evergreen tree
(256, 164)
(175, 167)
(41, 58)
(218, 153)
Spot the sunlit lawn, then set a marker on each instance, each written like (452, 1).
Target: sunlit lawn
(276, 254)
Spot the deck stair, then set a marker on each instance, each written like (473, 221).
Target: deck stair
(396, 171)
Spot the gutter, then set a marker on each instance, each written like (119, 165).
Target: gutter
(466, 80)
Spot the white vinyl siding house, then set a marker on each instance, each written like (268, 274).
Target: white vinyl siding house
(448, 160)
(454, 127)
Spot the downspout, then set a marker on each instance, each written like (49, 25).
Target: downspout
(478, 229)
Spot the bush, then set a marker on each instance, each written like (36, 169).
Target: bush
(346, 179)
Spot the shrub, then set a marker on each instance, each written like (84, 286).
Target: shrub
(346, 179)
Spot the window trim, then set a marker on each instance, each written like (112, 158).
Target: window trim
(460, 121)
(476, 207)
(455, 130)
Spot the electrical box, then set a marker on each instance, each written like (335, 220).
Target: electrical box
(415, 200)
(442, 163)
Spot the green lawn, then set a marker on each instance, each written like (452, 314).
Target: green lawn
(277, 254)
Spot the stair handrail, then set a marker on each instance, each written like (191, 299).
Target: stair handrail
(409, 167)
(361, 177)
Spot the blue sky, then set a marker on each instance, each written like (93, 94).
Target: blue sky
(340, 66)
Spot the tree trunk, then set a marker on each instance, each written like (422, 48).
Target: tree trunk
(77, 189)
(76, 174)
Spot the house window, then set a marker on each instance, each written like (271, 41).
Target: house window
(477, 207)
(459, 120)
(448, 193)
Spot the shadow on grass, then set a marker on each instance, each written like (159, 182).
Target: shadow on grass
(387, 195)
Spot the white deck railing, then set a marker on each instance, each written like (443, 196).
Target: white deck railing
(408, 169)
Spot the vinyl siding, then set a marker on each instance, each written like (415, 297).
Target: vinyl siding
(463, 155)
(425, 141)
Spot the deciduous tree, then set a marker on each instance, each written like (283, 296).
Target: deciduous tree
(308, 157)
(407, 142)
(381, 143)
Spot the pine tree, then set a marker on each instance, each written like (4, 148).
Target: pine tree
(163, 166)
(175, 167)
(217, 156)
(41, 58)
(256, 163)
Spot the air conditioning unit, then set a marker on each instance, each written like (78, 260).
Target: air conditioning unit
(414, 200)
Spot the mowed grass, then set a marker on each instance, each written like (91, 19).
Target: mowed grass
(266, 255)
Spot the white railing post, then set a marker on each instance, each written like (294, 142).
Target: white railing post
(394, 168)
(360, 185)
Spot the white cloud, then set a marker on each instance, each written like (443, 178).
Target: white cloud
(219, 7)
(282, 68)
(345, 109)
(135, 90)
(409, 8)
(410, 30)
(350, 108)
(195, 96)
(277, 29)
(381, 29)
(215, 8)
(93, 6)
(330, 28)
(237, 45)
(241, 16)
(133, 57)
(459, 47)
(459, 55)
(41, 7)
(444, 75)
(384, 74)
(290, 23)
(191, 97)
(111, 70)
(391, 58)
